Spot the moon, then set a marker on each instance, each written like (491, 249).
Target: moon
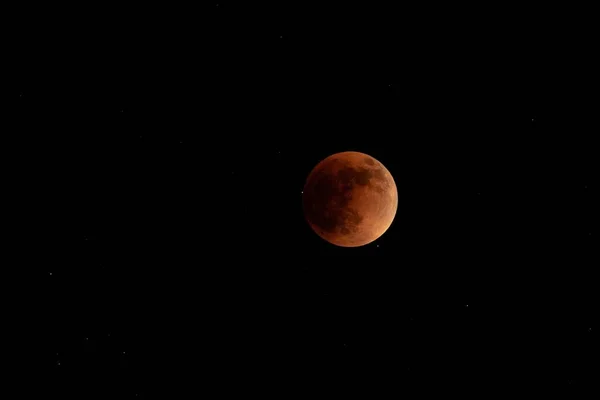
(350, 199)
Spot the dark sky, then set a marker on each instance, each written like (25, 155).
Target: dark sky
(165, 155)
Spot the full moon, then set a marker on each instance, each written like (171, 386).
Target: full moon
(350, 199)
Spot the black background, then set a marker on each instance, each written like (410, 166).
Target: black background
(165, 153)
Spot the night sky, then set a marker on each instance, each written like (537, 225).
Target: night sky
(165, 155)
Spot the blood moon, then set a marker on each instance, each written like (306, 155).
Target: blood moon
(350, 199)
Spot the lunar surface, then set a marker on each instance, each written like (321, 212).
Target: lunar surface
(350, 199)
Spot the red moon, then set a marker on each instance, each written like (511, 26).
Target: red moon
(350, 199)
